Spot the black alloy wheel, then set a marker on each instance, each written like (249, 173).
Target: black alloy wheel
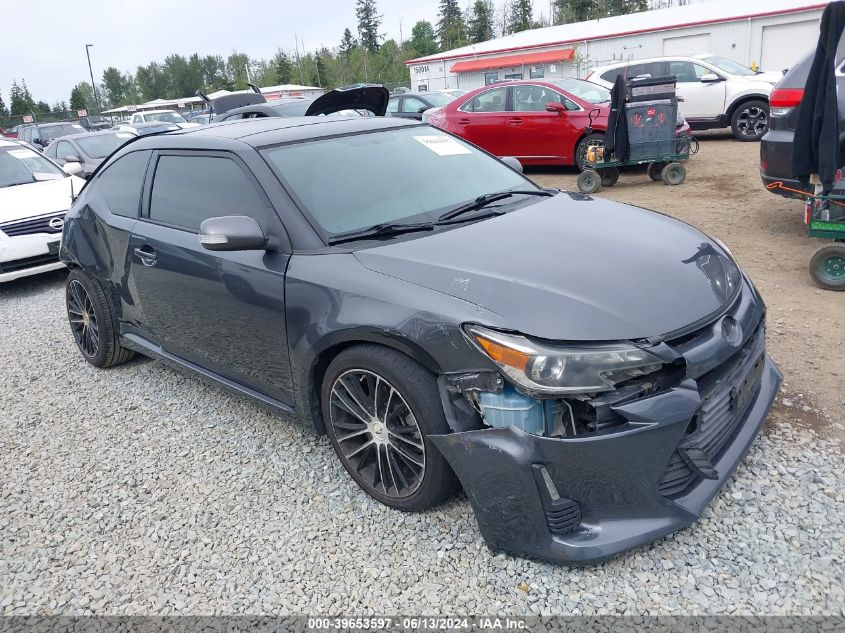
(377, 432)
(83, 319)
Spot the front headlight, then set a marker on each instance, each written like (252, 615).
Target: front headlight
(572, 369)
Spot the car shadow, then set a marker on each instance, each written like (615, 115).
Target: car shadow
(28, 286)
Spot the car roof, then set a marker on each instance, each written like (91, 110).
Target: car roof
(9, 142)
(73, 137)
(268, 131)
(646, 60)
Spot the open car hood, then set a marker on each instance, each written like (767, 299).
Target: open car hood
(371, 97)
(223, 104)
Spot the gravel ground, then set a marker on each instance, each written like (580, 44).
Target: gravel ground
(141, 490)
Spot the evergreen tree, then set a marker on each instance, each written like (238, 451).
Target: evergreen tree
(520, 17)
(423, 38)
(282, 68)
(480, 26)
(450, 27)
(347, 43)
(42, 106)
(82, 97)
(4, 111)
(369, 21)
(17, 101)
(319, 76)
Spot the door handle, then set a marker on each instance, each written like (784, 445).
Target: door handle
(515, 121)
(147, 255)
(463, 121)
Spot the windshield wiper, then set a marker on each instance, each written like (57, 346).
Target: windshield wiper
(482, 201)
(381, 230)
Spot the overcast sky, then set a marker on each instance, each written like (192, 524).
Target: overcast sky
(45, 42)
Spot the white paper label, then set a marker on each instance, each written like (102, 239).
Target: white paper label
(443, 145)
(22, 153)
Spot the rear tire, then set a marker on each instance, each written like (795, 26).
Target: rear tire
(655, 170)
(92, 321)
(827, 267)
(589, 181)
(609, 176)
(379, 407)
(750, 120)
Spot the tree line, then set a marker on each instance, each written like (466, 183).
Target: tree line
(361, 55)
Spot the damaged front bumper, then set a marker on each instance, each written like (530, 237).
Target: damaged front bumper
(583, 499)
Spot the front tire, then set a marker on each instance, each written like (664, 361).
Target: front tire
(92, 321)
(750, 120)
(379, 408)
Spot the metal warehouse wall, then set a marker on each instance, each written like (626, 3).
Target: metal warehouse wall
(773, 43)
(740, 41)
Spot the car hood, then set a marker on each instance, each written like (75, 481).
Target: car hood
(372, 97)
(37, 198)
(572, 268)
(770, 77)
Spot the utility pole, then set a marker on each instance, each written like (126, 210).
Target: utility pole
(93, 85)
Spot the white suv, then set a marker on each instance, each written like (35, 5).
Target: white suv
(35, 194)
(713, 91)
(161, 116)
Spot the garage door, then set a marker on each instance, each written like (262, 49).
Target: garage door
(687, 44)
(785, 44)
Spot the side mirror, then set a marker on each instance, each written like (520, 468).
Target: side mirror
(72, 158)
(232, 233)
(74, 169)
(512, 162)
(710, 78)
(554, 106)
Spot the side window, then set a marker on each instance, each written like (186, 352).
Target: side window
(137, 118)
(491, 78)
(650, 69)
(190, 189)
(393, 104)
(64, 149)
(611, 75)
(687, 72)
(534, 98)
(120, 184)
(51, 151)
(494, 100)
(412, 104)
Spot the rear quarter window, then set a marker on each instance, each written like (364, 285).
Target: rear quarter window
(121, 182)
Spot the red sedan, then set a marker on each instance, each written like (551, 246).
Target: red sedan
(538, 122)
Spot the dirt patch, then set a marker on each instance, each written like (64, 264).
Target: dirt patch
(723, 195)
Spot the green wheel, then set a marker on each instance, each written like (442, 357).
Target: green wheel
(827, 267)
(673, 174)
(609, 176)
(589, 181)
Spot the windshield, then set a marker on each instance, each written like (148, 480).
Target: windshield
(102, 145)
(729, 66)
(55, 131)
(590, 92)
(401, 175)
(168, 117)
(293, 108)
(20, 166)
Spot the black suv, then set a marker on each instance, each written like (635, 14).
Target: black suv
(42, 134)
(776, 145)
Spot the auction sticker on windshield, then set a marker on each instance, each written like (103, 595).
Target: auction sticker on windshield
(22, 153)
(443, 145)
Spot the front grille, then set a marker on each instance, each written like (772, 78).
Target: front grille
(32, 226)
(719, 416)
(28, 262)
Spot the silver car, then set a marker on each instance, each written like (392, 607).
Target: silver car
(88, 150)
